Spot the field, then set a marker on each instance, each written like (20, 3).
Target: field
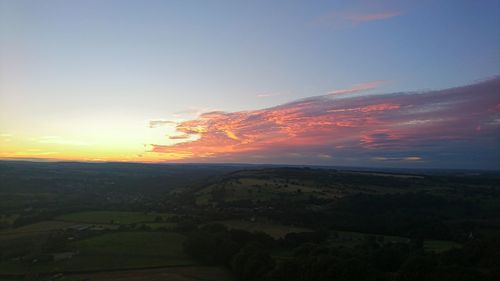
(188, 273)
(351, 238)
(161, 225)
(112, 217)
(274, 230)
(249, 188)
(130, 250)
(7, 219)
(265, 185)
(439, 246)
(39, 227)
(122, 250)
(99, 223)
(339, 238)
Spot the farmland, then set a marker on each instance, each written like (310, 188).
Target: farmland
(123, 250)
(112, 217)
(60, 222)
(185, 273)
(273, 229)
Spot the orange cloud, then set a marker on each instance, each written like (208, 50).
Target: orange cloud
(179, 137)
(351, 127)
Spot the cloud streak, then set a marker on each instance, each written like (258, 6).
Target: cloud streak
(267, 95)
(363, 12)
(159, 123)
(433, 127)
(361, 87)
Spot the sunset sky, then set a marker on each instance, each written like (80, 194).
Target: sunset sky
(351, 83)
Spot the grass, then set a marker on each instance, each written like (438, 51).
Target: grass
(439, 246)
(274, 230)
(264, 190)
(136, 243)
(39, 227)
(115, 217)
(188, 273)
(346, 235)
(122, 250)
(8, 219)
(159, 225)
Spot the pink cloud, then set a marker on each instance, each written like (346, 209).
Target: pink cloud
(360, 13)
(353, 127)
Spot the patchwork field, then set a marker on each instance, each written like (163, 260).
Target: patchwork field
(260, 186)
(263, 190)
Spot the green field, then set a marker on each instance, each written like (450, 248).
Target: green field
(122, 250)
(351, 238)
(33, 230)
(7, 219)
(274, 230)
(112, 217)
(249, 188)
(185, 273)
(130, 249)
(161, 225)
(440, 246)
(43, 226)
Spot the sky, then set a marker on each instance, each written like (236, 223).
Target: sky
(354, 83)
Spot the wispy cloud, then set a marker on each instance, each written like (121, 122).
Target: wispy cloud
(180, 137)
(191, 112)
(268, 95)
(359, 13)
(359, 88)
(349, 19)
(159, 123)
(439, 126)
(407, 158)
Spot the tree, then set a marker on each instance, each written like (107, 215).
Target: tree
(252, 263)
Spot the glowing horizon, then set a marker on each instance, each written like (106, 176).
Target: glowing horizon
(336, 128)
